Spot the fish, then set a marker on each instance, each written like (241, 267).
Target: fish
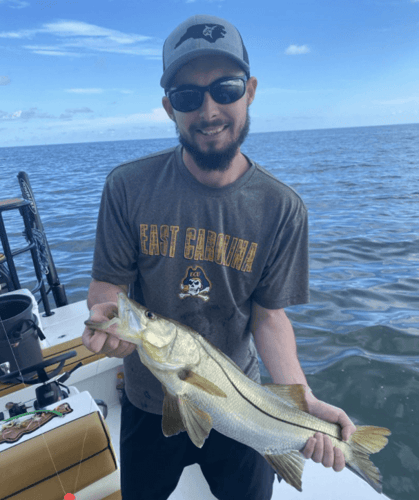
(204, 389)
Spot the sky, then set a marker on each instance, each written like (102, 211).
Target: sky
(85, 71)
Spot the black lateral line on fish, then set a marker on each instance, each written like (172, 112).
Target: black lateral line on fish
(262, 411)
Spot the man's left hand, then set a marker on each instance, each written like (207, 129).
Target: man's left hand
(320, 448)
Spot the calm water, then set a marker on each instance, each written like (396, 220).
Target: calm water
(358, 339)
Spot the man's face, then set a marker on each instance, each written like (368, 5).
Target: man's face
(213, 133)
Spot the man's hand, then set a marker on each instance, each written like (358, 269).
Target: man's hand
(320, 448)
(105, 342)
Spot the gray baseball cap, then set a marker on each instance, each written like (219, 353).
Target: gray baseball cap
(199, 36)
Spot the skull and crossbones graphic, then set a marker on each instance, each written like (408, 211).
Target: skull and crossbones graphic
(192, 285)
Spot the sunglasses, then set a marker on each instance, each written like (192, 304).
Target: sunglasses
(188, 98)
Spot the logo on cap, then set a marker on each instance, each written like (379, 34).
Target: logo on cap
(209, 32)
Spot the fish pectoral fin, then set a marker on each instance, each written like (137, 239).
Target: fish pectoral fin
(289, 466)
(201, 383)
(172, 422)
(197, 422)
(294, 394)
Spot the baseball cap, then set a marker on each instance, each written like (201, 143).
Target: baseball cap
(201, 35)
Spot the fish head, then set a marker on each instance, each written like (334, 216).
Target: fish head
(161, 343)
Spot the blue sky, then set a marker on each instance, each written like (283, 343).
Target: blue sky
(89, 70)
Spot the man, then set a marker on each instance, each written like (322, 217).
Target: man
(203, 235)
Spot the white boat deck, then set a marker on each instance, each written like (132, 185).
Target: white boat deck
(99, 378)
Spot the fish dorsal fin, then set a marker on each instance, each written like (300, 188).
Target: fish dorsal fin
(172, 421)
(289, 466)
(201, 383)
(197, 422)
(293, 394)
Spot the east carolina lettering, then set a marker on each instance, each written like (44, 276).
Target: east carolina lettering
(150, 241)
(199, 245)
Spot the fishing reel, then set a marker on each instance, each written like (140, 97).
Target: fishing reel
(47, 393)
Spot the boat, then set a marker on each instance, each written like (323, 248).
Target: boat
(60, 441)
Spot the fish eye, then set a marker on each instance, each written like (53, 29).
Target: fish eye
(150, 315)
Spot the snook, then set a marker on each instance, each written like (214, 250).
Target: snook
(204, 389)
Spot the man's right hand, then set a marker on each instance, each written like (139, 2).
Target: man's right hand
(105, 342)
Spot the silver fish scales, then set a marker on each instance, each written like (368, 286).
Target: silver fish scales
(204, 390)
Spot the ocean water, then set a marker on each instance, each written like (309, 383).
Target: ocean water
(358, 339)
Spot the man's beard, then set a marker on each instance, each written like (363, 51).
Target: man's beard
(219, 160)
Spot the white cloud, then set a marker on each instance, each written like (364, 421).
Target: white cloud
(156, 115)
(51, 51)
(15, 4)
(401, 101)
(79, 110)
(97, 124)
(294, 50)
(32, 113)
(17, 34)
(98, 91)
(78, 28)
(87, 38)
(85, 91)
(4, 80)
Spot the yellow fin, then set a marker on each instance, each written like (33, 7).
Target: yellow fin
(172, 420)
(289, 466)
(367, 439)
(201, 383)
(197, 422)
(293, 394)
(371, 438)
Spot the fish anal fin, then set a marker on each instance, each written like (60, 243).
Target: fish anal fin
(197, 422)
(289, 466)
(172, 422)
(201, 383)
(294, 394)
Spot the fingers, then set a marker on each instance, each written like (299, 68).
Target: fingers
(101, 342)
(309, 448)
(320, 449)
(339, 463)
(103, 312)
(348, 428)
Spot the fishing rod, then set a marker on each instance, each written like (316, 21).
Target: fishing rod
(44, 251)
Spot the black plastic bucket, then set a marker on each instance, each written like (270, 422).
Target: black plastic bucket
(19, 333)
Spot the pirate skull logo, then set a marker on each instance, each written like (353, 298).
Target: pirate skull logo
(195, 284)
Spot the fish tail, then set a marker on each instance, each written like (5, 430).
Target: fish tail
(366, 440)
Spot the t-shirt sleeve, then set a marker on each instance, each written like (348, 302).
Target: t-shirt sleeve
(285, 279)
(116, 248)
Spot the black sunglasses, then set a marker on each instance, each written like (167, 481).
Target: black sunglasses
(188, 98)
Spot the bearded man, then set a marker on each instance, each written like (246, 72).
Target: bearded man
(204, 212)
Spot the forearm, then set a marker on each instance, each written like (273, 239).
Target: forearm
(276, 345)
(100, 292)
